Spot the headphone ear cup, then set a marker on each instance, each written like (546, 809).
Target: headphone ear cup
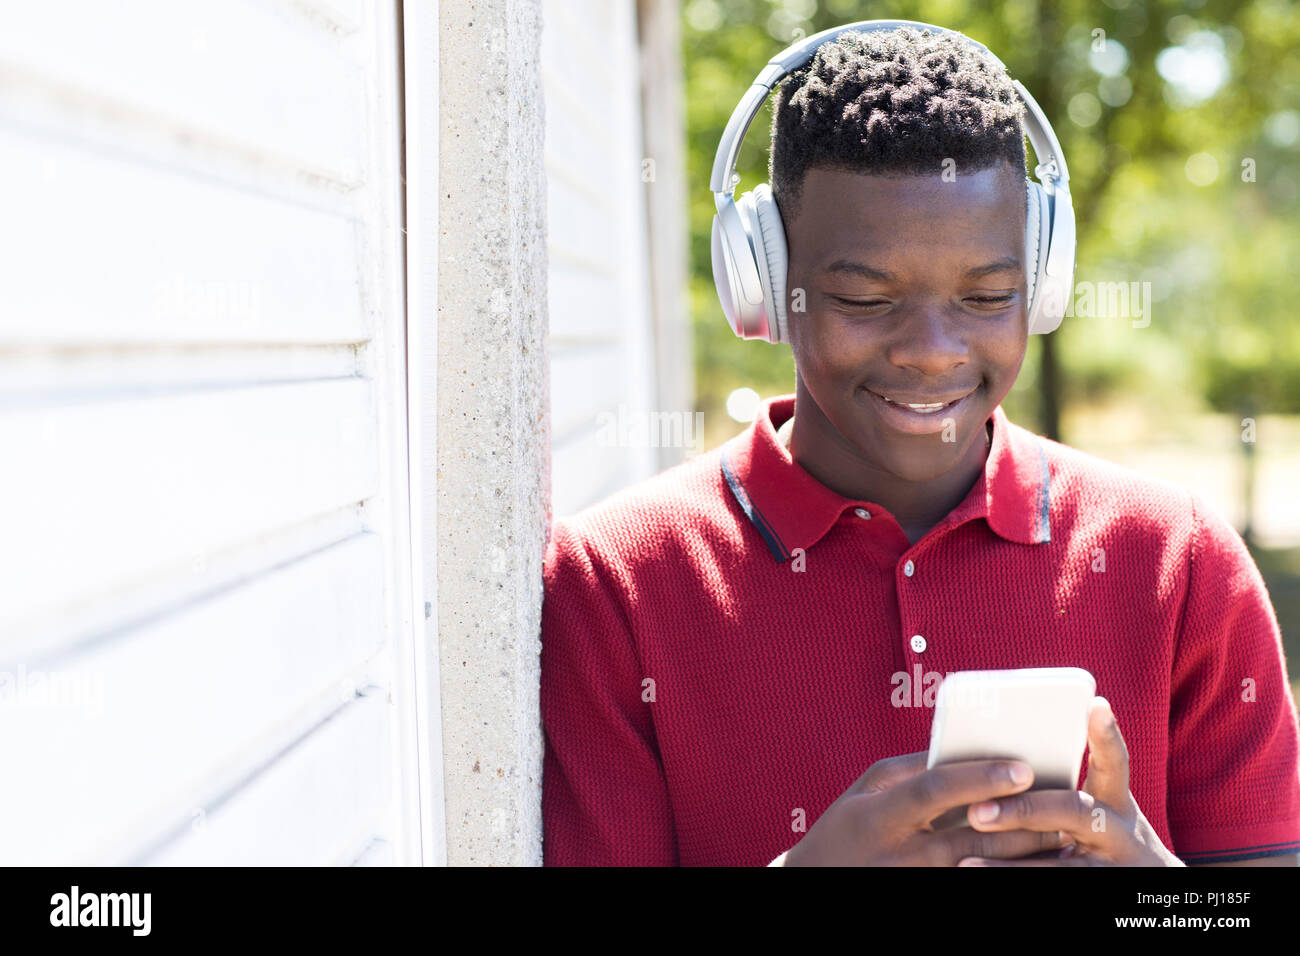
(774, 261)
(766, 239)
(724, 274)
(735, 271)
(1037, 241)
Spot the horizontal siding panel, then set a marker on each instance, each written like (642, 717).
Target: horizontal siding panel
(109, 251)
(317, 806)
(597, 297)
(205, 603)
(583, 382)
(145, 720)
(595, 17)
(583, 305)
(578, 133)
(31, 373)
(347, 15)
(376, 853)
(105, 492)
(577, 178)
(576, 39)
(576, 223)
(584, 469)
(271, 82)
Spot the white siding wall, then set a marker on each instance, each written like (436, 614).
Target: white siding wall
(206, 648)
(602, 345)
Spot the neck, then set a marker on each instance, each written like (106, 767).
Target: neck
(917, 504)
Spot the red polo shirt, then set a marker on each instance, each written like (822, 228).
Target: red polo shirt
(722, 647)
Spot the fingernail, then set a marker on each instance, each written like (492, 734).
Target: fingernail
(971, 861)
(986, 812)
(1020, 773)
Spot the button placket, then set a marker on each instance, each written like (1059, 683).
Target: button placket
(917, 642)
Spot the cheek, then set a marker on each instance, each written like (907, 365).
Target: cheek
(817, 340)
(1005, 351)
(1011, 344)
(825, 348)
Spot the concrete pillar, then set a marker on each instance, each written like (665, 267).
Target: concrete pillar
(493, 481)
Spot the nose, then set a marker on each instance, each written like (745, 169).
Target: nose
(929, 341)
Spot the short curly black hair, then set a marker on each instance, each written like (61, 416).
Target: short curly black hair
(896, 102)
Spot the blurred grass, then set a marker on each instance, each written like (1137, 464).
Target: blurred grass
(1281, 570)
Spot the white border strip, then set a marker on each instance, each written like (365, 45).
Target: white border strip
(420, 52)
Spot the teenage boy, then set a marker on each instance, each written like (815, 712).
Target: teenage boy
(728, 647)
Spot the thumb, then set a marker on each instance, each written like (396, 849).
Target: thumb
(1108, 770)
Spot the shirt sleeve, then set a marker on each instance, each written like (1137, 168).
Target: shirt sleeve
(604, 795)
(1234, 769)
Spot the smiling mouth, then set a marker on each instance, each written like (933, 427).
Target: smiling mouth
(924, 408)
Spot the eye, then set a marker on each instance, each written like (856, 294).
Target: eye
(991, 300)
(859, 303)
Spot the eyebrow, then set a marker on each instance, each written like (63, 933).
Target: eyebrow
(1006, 263)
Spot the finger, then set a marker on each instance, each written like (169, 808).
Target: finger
(1060, 854)
(1069, 810)
(917, 801)
(1108, 762)
(1061, 861)
(889, 772)
(1009, 845)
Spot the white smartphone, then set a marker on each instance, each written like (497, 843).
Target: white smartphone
(1035, 714)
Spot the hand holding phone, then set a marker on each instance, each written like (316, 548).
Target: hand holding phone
(889, 816)
(883, 819)
(1037, 715)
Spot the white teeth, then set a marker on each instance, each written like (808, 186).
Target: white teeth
(933, 407)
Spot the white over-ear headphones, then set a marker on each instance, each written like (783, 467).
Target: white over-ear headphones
(749, 250)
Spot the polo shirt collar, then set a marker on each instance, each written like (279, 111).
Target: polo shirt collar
(792, 509)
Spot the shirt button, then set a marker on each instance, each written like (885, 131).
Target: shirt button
(862, 512)
(918, 643)
(909, 568)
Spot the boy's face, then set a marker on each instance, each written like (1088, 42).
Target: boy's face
(893, 307)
